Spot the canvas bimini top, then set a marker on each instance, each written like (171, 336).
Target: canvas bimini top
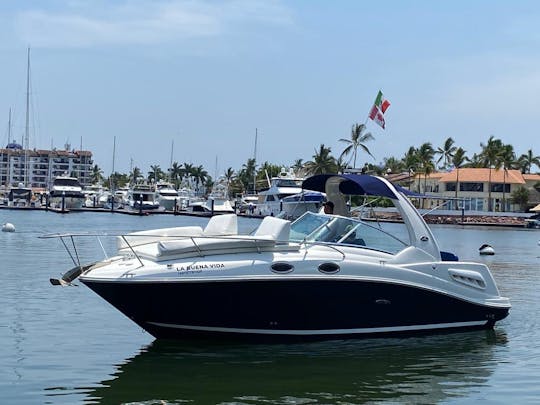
(338, 186)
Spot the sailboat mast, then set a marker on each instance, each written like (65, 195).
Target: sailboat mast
(9, 128)
(171, 161)
(111, 181)
(27, 124)
(255, 164)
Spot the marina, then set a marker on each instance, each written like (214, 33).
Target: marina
(380, 244)
(66, 345)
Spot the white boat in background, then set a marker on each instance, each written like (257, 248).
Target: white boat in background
(167, 196)
(247, 203)
(286, 184)
(324, 276)
(186, 196)
(296, 205)
(96, 196)
(142, 197)
(66, 192)
(20, 196)
(217, 202)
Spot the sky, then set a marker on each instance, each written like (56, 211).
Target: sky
(196, 80)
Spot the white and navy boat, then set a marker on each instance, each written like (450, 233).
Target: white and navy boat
(322, 276)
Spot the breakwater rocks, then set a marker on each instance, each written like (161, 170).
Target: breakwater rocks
(498, 220)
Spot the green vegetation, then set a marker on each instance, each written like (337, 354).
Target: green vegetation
(422, 160)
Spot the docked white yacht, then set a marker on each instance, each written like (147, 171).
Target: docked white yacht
(142, 197)
(20, 196)
(217, 202)
(66, 192)
(167, 196)
(286, 184)
(322, 276)
(96, 196)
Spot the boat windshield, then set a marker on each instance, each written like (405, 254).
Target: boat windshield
(66, 182)
(312, 227)
(288, 183)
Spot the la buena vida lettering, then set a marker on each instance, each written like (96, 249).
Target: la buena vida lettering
(204, 266)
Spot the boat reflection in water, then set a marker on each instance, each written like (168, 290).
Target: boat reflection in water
(425, 369)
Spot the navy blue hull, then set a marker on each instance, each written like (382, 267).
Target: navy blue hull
(290, 308)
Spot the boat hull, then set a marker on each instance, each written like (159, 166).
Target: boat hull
(277, 309)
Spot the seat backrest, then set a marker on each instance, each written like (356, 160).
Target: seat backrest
(277, 228)
(226, 224)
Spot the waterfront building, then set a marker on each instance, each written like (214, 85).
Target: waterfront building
(472, 188)
(37, 168)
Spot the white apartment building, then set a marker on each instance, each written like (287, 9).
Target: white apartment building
(38, 168)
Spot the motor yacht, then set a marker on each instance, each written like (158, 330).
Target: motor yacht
(167, 196)
(286, 198)
(217, 202)
(20, 196)
(142, 197)
(66, 193)
(322, 276)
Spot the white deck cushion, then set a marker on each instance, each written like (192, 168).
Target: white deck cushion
(226, 224)
(277, 228)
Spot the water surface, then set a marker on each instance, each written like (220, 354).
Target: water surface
(66, 345)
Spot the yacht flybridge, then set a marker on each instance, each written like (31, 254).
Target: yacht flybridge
(321, 276)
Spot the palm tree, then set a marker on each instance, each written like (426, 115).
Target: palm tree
(247, 174)
(200, 176)
(358, 139)
(521, 196)
(297, 166)
(135, 174)
(176, 173)
(155, 174)
(188, 172)
(425, 155)
(458, 160)
(490, 158)
(507, 158)
(229, 177)
(393, 165)
(323, 162)
(446, 152)
(527, 160)
(97, 174)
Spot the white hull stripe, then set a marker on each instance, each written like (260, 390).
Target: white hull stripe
(323, 331)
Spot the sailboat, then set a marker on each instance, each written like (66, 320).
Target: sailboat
(21, 194)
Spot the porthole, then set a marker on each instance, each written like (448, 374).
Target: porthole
(328, 268)
(281, 267)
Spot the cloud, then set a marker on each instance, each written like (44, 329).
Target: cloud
(142, 22)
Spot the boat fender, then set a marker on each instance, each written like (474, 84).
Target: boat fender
(486, 249)
(8, 227)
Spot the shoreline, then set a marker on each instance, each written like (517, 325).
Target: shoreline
(509, 220)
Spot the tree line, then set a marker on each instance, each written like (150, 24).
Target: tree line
(425, 159)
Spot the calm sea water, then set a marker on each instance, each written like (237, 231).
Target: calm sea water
(67, 346)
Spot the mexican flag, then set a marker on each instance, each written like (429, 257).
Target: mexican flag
(379, 107)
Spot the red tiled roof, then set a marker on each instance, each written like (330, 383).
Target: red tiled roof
(531, 177)
(482, 175)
